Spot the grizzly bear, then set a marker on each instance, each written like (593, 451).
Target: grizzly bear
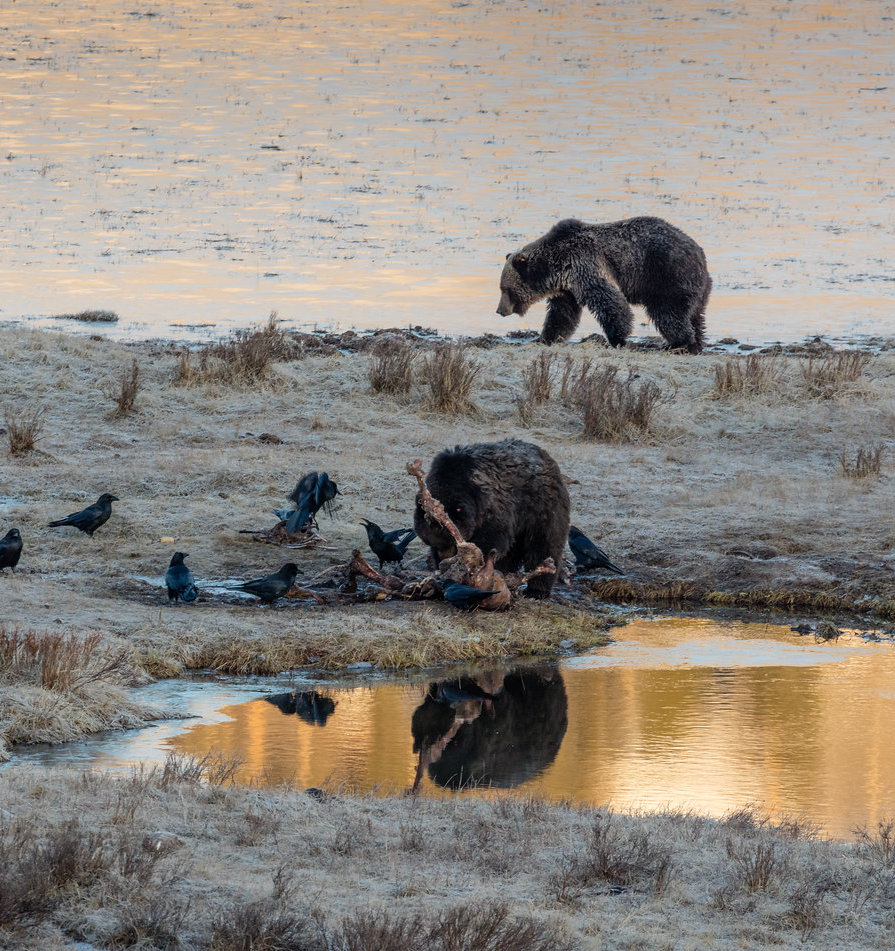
(606, 268)
(508, 497)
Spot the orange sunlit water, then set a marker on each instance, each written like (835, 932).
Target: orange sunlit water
(682, 714)
(370, 164)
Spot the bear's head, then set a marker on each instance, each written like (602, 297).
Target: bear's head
(453, 481)
(520, 283)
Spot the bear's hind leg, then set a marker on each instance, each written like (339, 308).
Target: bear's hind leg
(609, 306)
(676, 321)
(563, 315)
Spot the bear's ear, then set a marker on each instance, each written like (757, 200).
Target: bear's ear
(509, 254)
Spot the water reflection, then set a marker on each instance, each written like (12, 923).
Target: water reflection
(682, 713)
(493, 729)
(311, 706)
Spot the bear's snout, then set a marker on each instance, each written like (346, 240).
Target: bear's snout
(505, 307)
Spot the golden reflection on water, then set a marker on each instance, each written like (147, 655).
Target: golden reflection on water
(678, 713)
(370, 164)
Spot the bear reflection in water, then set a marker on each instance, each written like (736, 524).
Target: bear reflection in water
(498, 729)
(311, 706)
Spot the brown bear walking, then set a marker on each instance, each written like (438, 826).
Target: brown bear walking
(606, 268)
(507, 497)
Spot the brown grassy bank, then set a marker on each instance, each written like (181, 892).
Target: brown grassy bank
(759, 481)
(178, 857)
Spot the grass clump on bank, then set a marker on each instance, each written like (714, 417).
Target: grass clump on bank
(392, 367)
(413, 635)
(124, 393)
(245, 358)
(614, 409)
(826, 377)
(537, 386)
(23, 430)
(867, 462)
(56, 687)
(450, 373)
(748, 376)
(91, 316)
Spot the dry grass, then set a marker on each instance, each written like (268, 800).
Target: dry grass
(392, 367)
(59, 661)
(91, 316)
(826, 377)
(537, 386)
(749, 376)
(213, 769)
(616, 859)
(450, 374)
(244, 359)
(613, 409)
(56, 686)
(136, 862)
(478, 926)
(572, 378)
(867, 462)
(756, 864)
(23, 430)
(125, 392)
(421, 637)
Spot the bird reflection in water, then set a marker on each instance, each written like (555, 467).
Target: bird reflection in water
(496, 729)
(311, 706)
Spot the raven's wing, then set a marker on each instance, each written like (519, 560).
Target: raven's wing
(397, 533)
(306, 485)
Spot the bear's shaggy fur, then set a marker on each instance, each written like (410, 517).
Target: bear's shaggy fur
(606, 268)
(507, 497)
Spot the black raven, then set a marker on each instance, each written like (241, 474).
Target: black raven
(464, 596)
(89, 519)
(313, 492)
(587, 555)
(10, 549)
(179, 579)
(388, 546)
(271, 587)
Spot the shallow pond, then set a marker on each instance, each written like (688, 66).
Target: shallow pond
(193, 166)
(677, 713)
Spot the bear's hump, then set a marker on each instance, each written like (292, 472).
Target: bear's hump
(565, 229)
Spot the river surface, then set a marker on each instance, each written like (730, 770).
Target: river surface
(195, 165)
(676, 713)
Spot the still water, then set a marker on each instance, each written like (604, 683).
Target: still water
(194, 165)
(676, 713)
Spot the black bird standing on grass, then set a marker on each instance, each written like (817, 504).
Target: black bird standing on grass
(89, 519)
(388, 546)
(587, 555)
(10, 549)
(271, 587)
(313, 492)
(179, 579)
(464, 596)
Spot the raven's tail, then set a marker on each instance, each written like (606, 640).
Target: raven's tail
(189, 593)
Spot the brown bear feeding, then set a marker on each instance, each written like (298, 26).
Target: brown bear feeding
(606, 268)
(507, 497)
